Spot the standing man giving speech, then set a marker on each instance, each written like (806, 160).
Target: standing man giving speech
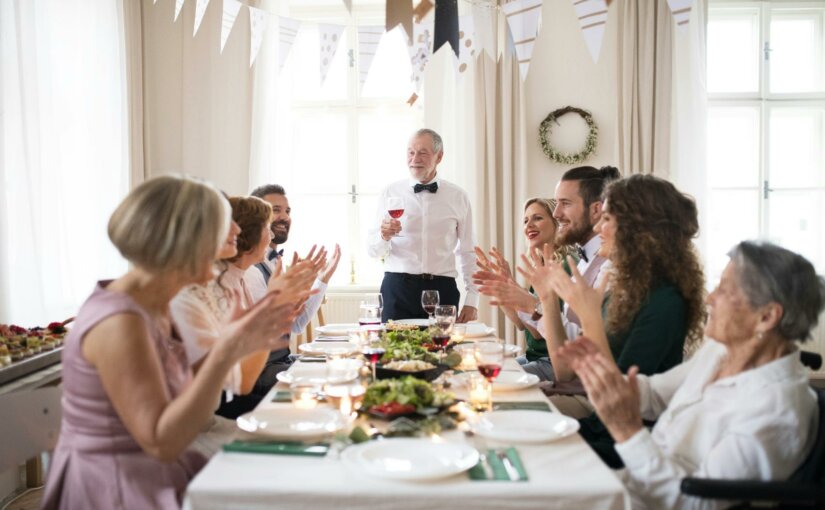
(437, 229)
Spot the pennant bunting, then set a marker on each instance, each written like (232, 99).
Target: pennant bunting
(523, 17)
(257, 26)
(230, 14)
(287, 32)
(368, 39)
(592, 16)
(446, 25)
(154, 2)
(420, 52)
(200, 10)
(467, 42)
(348, 5)
(178, 7)
(422, 9)
(328, 36)
(400, 12)
(681, 11)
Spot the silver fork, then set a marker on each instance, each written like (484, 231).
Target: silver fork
(481, 446)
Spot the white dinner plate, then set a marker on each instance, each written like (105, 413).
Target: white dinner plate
(329, 348)
(467, 348)
(478, 329)
(413, 322)
(336, 329)
(292, 423)
(514, 380)
(318, 373)
(410, 459)
(525, 426)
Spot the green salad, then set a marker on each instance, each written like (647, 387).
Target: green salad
(406, 390)
(407, 345)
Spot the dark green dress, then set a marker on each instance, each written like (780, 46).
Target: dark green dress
(655, 343)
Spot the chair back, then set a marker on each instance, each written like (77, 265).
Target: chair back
(813, 469)
(30, 424)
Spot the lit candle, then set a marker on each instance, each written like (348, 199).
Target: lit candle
(479, 393)
(304, 396)
(468, 361)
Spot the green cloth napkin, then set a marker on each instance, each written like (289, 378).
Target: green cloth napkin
(537, 405)
(282, 396)
(284, 448)
(499, 472)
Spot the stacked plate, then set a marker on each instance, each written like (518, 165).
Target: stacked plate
(467, 348)
(293, 424)
(320, 373)
(329, 348)
(525, 426)
(410, 459)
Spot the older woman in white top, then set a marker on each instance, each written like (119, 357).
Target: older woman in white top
(741, 408)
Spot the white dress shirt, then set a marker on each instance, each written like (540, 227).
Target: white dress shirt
(436, 228)
(256, 285)
(758, 425)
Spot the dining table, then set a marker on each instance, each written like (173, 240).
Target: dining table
(564, 473)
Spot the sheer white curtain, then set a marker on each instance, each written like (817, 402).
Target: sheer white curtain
(64, 154)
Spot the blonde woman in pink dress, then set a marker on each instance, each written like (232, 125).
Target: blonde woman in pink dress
(131, 406)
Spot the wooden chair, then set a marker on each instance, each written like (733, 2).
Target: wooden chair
(308, 335)
(30, 426)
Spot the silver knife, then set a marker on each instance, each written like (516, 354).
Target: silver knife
(512, 472)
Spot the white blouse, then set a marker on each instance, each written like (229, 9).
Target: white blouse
(758, 424)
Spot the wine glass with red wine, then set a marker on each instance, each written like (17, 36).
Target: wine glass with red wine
(443, 327)
(373, 350)
(489, 359)
(395, 208)
(429, 300)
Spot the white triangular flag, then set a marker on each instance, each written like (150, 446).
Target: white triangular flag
(178, 7)
(592, 16)
(257, 27)
(328, 37)
(348, 5)
(420, 49)
(154, 2)
(368, 39)
(287, 32)
(200, 10)
(467, 42)
(681, 11)
(230, 14)
(523, 17)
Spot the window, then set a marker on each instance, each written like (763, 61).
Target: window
(766, 127)
(340, 143)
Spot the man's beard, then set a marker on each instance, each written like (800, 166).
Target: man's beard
(278, 236)
(575, 234)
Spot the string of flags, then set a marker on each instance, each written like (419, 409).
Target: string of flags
(424, 34)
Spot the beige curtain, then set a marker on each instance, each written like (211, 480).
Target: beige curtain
(645, 86)
(132, 19)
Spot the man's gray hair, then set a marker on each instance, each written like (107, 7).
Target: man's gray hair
(438, 143)
(768, 273)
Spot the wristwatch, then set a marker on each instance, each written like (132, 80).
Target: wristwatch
(537, 310)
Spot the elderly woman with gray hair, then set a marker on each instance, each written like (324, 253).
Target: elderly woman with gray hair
(740, 408)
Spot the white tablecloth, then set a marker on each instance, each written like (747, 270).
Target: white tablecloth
(563, 474)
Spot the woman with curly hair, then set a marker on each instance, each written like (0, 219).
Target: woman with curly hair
(653, 311)
(539, 229)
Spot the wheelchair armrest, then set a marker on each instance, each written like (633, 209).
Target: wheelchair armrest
(753, 490)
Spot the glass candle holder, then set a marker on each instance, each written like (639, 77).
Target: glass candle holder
(304, 395)
(347, 398)
(479, 393)
(459, 331)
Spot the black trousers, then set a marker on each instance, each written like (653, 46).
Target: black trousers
(278, 361)
(402, 294)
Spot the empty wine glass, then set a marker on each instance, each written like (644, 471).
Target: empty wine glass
(370, 310)
(489, 359)
(429, 300)
(395, 208)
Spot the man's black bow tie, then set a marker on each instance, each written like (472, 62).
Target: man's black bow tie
(275, 254)
(582, 254)
(431, 187)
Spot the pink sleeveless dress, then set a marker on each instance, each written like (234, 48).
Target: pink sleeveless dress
(97, 463)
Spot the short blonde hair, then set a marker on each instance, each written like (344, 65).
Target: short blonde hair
(171, 223)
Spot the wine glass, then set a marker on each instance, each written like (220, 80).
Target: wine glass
(443, 327)
(370, 310)
(373, 350)
(489, 359)
(429, 300)
(395, 208)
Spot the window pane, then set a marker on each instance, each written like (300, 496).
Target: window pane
(796, 51)
(369, 270)
(315, 170)
(733, 217)
(733, 50)
(321, 219)
(304, 59)
(795, 220)
(733, 146)
(382, 148)
(796, 147)
(389, 74)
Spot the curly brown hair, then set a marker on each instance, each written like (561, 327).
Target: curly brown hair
(251, 214)
(655, 226)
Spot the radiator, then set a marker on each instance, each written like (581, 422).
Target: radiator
(342, 308)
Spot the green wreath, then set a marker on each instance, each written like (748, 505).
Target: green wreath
(563, 157)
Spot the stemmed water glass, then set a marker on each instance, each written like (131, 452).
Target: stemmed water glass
(370, 309)
(395, 208)
(429, 300)
(443, 327)
(489, 359)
